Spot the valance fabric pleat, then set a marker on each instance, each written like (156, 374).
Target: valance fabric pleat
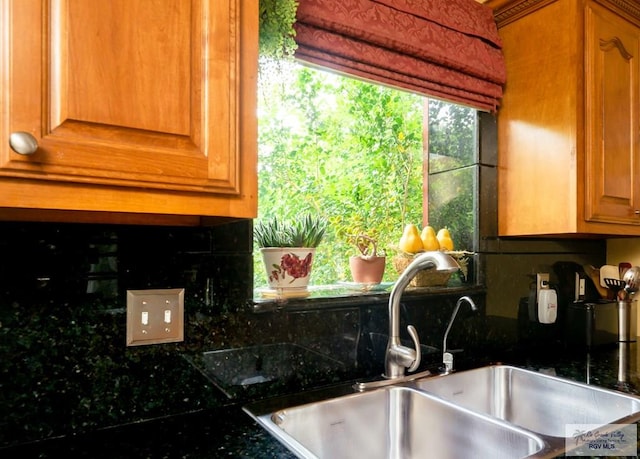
(449, 49)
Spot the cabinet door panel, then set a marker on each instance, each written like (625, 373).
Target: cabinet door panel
(117, 76)
(613, 53)
(135, 93)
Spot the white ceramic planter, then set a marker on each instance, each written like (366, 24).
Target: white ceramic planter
(288, 267)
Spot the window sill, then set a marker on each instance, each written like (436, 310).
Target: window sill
(340, 296)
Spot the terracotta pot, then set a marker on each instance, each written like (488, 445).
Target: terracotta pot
(288, 267)
(367, 270)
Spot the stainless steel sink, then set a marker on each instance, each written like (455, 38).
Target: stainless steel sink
(537, 402)
(396, 422)
(497, 411)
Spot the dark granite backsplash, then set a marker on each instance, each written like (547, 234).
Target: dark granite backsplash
(64, 365)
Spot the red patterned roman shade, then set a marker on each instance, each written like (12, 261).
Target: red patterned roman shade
(448, 49)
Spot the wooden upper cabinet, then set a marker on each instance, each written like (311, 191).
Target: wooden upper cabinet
(137, 106)
(568, 132)
(612, 112)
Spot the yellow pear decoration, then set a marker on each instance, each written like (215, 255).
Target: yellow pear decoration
(443, 236)
(429, 240)
(410, 241)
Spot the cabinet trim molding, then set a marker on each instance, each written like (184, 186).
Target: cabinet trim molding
(615, 42)
(507, 11)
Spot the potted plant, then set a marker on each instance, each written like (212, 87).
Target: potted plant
(288, 249)
(368, 266)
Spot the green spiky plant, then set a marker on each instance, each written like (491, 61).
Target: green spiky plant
(276, 28)
(307, 231)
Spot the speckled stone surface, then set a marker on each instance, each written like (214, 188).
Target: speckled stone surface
(65, 369)
(229, 432)
(220, 433)
(70, 387)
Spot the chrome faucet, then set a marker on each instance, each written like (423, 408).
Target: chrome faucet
(399, 357)
(447, 357)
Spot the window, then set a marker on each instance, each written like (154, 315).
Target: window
(355, 153)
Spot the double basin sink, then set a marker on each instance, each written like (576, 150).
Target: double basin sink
(497, 411)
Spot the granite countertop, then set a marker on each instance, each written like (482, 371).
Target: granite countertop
(228, 431)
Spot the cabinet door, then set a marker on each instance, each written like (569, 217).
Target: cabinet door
(129, 94)
(612, 88)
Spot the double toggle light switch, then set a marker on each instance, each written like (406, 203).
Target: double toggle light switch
(155, 316)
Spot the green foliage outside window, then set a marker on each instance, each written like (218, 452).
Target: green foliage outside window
(277, 35)
(351, 152)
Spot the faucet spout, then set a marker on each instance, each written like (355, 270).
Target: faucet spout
(447, 357)
(399, 357)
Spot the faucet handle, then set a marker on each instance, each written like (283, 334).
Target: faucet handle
(447, 359)
(416, 342)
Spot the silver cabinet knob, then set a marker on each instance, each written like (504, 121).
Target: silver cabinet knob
(23, 143)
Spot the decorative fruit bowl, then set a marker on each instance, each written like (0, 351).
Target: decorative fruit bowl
(431, 277)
